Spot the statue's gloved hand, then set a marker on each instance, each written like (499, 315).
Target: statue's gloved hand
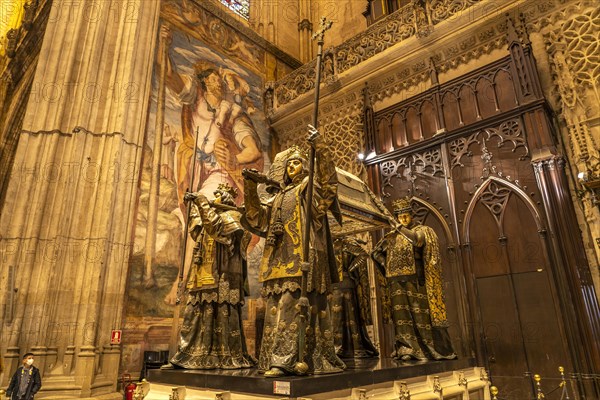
(189, 196)
(313, 135)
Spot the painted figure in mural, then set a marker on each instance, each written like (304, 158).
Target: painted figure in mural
(212, 335)
(218, 138)
(350, 302)
(410, 257)
(227, 142)
(282, 222)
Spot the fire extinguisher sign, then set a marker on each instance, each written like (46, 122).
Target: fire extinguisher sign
(115, 336)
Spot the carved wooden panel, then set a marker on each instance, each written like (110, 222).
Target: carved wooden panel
(399, 131)
(487, 98)
(413, 174)
(507, 98)
(428, 119)
(526, 254)
(477, 174)
(467, 104)
(383, 142)
(504, 358)
(484, 247)
(461, 102)
(451, 110)
(505, 244)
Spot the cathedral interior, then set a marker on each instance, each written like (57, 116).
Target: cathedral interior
(483, 114)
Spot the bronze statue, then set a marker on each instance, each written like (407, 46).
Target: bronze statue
(410, 257)
(350, 302)
(212, 335)
(287, 348)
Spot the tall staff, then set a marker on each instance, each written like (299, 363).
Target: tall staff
(301, 366)
(180, 288)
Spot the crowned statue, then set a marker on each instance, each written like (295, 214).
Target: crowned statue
(297, 336)
(212, 336)
(409, 255)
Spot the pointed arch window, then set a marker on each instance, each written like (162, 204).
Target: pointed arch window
(240, 7)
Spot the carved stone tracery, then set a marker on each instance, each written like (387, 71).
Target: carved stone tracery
(581, 36)
(347, 135)
(415, 19)
(378, 38)
(441, 10)
(344, 132)
(571, 38)
(573, 49)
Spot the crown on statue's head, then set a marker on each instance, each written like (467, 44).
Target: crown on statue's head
(402, 206)
(296, 153)
(225, 188)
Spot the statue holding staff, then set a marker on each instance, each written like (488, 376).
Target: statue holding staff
(286, 347)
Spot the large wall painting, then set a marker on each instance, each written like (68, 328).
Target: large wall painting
(213, 102)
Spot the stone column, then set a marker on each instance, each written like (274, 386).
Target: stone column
(67, 223)
(304, 36)
(305, 28)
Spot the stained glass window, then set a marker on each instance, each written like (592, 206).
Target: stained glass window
(240, 7)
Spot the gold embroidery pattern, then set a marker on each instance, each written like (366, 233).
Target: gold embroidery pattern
(401, 257)
(433, 277)
(282, 260)
(202, 274)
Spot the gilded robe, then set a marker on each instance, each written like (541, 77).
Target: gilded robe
(414, 274)
(350, 302)
(281, 221)
(212, 335)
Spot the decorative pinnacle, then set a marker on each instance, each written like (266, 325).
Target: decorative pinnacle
(320, 34)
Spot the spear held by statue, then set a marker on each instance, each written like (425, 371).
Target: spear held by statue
(301, 366)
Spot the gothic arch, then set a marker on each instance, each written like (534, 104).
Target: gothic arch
(465, 234)
(431, 209)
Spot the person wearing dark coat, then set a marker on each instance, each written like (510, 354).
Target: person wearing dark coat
(26, 382)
